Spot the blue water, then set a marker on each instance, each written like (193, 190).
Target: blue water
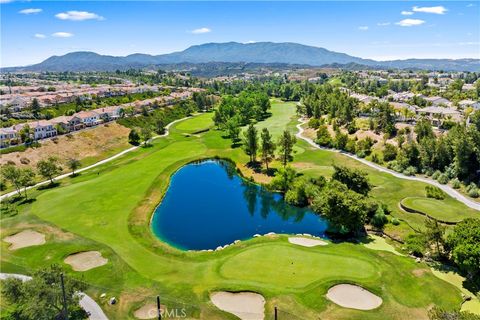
(208, 205)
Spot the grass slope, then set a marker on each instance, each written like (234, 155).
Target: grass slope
(109, 209)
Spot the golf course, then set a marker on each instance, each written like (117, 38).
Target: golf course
(108, 209)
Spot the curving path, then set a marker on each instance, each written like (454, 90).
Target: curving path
(87, 303)
(167, 131)
(447, 189)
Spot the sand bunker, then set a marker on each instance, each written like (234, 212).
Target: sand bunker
(25, 238)
(148, 311)
(245, 305)
(306, 242)
(84, 261)
(354, 297)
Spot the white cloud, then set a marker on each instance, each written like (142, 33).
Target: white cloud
(410, 22)
(78, 16)
(6, 1)
(201, 30)
(363, 28)
(40, 36)
(435, 10)
(383, 24)
(30, 11)
(470, 5)
(62, 34)
(406, 13)
(250, 42)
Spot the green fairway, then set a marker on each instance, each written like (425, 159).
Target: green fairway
(444, 210)
(282, 114)
(109, 208)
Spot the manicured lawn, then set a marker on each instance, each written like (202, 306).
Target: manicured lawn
(109, 208)
(445, 210)
(282, 114)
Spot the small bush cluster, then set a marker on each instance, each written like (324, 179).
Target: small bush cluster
(434, 192)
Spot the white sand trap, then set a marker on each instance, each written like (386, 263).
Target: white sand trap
(306, 242)
(245, 305)
(84, 261)
(354, 297)
(148, 311)
(25, 238)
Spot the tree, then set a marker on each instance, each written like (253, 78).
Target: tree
(389, 152)
(285, 144)
(41, 297)
(134, 137)
(27, 179)
(323, 136)
(435, 234)
(423, 129)
(437, 313)
(26, 134)
(49, 168)
(354, 179)
(267, 146)
(35, 107)
(73, 164)
(233, 129)
(344, 209)
(464, 245)
(284, 179)
(13, 175)
(146, 134)
(251, 143)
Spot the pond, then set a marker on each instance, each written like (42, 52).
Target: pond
(208, 205)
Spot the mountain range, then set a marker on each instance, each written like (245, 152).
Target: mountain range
(234, 52)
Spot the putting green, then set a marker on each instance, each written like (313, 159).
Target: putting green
(445, 210)
(286, 266)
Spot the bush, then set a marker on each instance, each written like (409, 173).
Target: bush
(389, 152)
(379, 219)
(410, 171)
(443, 178)
(324, 138)
(456, 184)
(352, 128)
(395, 221)
(434, 192)
(314, 123)
(436, 174)
(415, 244)
(473, 193)
(24, 160)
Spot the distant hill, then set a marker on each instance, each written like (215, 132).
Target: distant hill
(234, 52)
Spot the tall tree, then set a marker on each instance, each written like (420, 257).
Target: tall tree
(73, 164)
(12, 174)
(251, 143)
(27, 179)
(286, 143)
(49, 168)
(146, 134)
(435, 234)
(268, 147)
(35, 107)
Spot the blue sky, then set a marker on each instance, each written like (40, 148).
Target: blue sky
(31, 31)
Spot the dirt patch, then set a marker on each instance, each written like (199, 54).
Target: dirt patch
(96, 142)
(353, 297)
(419, 272)
(245, 305)
(306, 242)
(25, 238)
(87, 260)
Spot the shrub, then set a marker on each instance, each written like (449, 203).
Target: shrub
(323, 137)
(55, 140)
(434, 192)
(443, 178)
(456, 184)
(473, 193)
(376, 158)
(395, 221)
(410, 171)
(416, 244)
(379, 219)
(428, 172)
(352, 128)
(436, 174)
(24, 160)
(314, 123)
(389, 152)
